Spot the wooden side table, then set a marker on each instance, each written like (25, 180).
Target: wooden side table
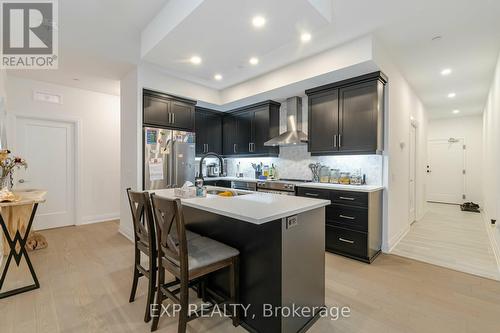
(16, 232)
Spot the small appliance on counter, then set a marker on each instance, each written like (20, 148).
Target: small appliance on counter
(212, 170)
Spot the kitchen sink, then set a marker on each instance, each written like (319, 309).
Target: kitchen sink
(217, 192)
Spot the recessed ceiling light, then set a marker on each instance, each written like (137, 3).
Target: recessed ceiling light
(76, 79)
(446, 71)
(195, 60)
(258, 21)
(455, 111)
(218, 77)
(436, 38)
(452, 95)
(253, 61)
(305, 37)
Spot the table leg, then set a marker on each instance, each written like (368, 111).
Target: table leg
(18, 256)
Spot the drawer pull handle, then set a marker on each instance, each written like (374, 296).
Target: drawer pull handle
(347, 198)
(346, 240)
(312, 194)
(347, 217)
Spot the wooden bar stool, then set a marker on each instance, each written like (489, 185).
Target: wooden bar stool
(188, 257)
(145, 242)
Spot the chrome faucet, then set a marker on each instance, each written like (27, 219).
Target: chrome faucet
(221, 162)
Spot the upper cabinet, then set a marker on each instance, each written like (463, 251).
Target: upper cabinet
(208, 128)
(246, 129)
(347, 117)
(168, 111)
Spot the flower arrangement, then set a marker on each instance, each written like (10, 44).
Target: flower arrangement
(7, 165)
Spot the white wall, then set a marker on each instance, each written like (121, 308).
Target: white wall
(402, 105)
(99, 116)
(3, 111)
(471, 130)
(491, 156)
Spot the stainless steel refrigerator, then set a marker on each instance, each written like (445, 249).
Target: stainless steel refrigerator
(168, 158)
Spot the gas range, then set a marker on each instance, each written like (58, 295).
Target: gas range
(279, 186)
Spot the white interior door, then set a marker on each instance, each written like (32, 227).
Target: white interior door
(412, 174)
(446, 171)
(49, 149)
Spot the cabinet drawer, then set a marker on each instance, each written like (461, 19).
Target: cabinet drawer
(346, 241)
(350, 198)
(313, 193)
(347, 216)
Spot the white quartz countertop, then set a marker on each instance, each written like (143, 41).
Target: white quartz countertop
(253, 207)
(241, 179)
(354, 188)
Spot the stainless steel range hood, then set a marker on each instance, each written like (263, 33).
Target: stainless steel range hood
(293, 135)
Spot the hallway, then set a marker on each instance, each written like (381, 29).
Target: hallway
(450, 238)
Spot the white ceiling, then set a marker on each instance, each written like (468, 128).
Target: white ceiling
(100, 41)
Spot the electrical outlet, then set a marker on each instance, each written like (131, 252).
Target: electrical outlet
(291, 222)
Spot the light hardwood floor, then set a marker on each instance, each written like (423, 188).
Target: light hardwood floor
(448, 237)
(85, 277)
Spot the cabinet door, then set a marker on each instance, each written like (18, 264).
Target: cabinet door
(230, 135)
(358, 118)
(260, 130)
(182, 115)
(200, 128)
(245, 120)
(156, 111)
(323, 122)
(213, 133)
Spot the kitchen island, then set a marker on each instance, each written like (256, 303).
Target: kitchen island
(281, 240)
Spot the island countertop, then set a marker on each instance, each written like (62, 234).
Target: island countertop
(253, 207)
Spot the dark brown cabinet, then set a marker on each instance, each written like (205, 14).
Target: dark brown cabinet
(245, 130)
(168, 111)
(353, 222)
(208, 129)
(347, 117)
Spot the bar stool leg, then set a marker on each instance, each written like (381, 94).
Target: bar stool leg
(184, 298)
(151, 288)
(135, 279)
(159, 298)
(234, 290)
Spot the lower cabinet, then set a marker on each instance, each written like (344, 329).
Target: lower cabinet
(353, 225)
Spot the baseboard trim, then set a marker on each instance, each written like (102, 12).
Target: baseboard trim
(99, 218)
(394, 241)
(127, 233)
(490, 230)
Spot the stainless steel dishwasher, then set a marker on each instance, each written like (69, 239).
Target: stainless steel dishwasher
(244, 185)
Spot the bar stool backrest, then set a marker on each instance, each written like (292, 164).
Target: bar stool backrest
(142, 216)
(171, 233)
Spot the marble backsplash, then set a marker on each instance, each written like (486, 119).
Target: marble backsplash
(293, 163)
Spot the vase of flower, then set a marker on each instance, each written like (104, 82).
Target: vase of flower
(7, 166)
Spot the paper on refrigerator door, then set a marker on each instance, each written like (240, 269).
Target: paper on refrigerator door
(156, 169)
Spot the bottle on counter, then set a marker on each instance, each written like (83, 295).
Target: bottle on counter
(272, 172)
(334, 176)
(265, 172)
(324, 174)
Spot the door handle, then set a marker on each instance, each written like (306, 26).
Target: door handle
(347, 217)
(234, 148)
(335, 141)
(347, 198)
(208, 147)
(169, 120)
(312, 194)
(250, 147)
(346, 240)
(173, 118)
(340, 140)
